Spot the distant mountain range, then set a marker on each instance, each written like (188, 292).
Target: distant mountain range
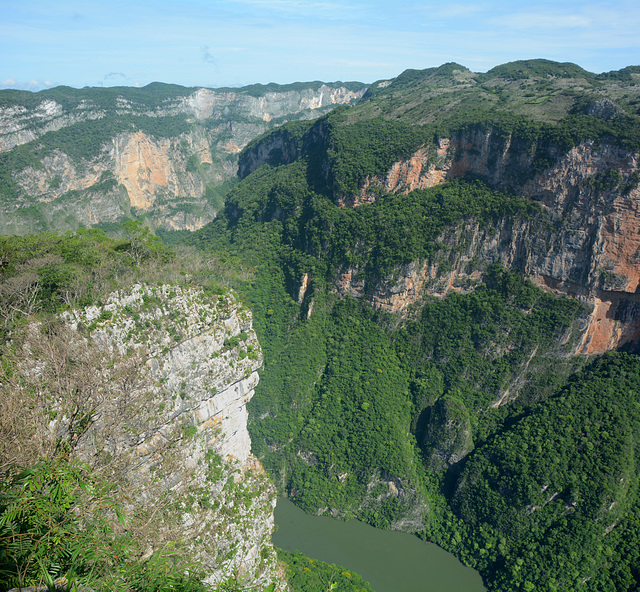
(94, 156)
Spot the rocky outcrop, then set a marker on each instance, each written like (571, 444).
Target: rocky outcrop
(169, 425)
(284, 146)
(279, 147)
(447, 436)
(169, 177)
(585, 245)
(21, 125)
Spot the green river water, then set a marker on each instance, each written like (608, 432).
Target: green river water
(389, 561)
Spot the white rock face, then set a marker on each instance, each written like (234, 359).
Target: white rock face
(180, 443)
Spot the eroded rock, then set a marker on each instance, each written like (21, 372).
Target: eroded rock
(168, 423)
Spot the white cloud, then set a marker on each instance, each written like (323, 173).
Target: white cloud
(32, 85)
(532, 21)
(207, 56)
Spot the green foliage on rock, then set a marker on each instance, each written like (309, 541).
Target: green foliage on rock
(311, 575)
(344, 394)
(442, 401)
(59, 519)
(557, 489)
(150, 96)
(538, 492)
(537, 69)
(49, 272)
(59, 525)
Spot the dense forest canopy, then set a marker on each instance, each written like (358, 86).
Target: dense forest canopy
(539, 493)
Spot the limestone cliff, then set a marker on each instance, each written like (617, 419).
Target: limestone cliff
(77, 160)
(586, 244)
(170, 425)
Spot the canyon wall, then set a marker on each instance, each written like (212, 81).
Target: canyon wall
(584, 244)
(137, 166)
(169, 423)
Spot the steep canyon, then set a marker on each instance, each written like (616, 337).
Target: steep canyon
(81, 158)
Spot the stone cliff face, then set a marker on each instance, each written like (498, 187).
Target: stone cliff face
(278, 147)
(586, 245)
(20, 125)
(171, 428)
(165, 178)
(281, 147)
(207, 103)
(144, 167)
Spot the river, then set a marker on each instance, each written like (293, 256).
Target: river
(389, 561)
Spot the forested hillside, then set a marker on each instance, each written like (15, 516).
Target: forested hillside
(435, 274)
(444, 282)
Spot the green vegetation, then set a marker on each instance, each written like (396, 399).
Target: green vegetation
(81, 125)
(349, 147)
(369, 147)
(554, 495)
(57, 523)
(473, 405)
(310, 575)
(151, 96)
(502, 446)
(344, 395)
(86, 139)
(259, 90)
(83, 140)
(60, 518)
(355, 398)
(537, 69)
(50, 272)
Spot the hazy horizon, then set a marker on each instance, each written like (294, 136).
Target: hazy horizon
(235, 43)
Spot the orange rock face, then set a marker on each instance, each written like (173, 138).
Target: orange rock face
(621, 240)
(590, 251)
(142, 166)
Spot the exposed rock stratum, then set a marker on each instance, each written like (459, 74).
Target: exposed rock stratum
(170, 425)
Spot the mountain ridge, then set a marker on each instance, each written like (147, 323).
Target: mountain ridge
(167, 152)
(437, 267)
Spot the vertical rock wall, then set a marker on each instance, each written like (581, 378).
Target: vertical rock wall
(175, 440)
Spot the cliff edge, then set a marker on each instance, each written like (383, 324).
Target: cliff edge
(157, 382)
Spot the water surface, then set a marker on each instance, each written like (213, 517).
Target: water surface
(389, 561)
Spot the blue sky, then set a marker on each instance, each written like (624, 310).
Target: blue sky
(237, 42)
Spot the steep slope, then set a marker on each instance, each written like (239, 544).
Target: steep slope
(583, 170)
(148, 387)
(560, 486)
(72, 158)
(188, 440)
(431, 273)
(433, 268)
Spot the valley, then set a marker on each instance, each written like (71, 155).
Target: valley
(442, 277)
